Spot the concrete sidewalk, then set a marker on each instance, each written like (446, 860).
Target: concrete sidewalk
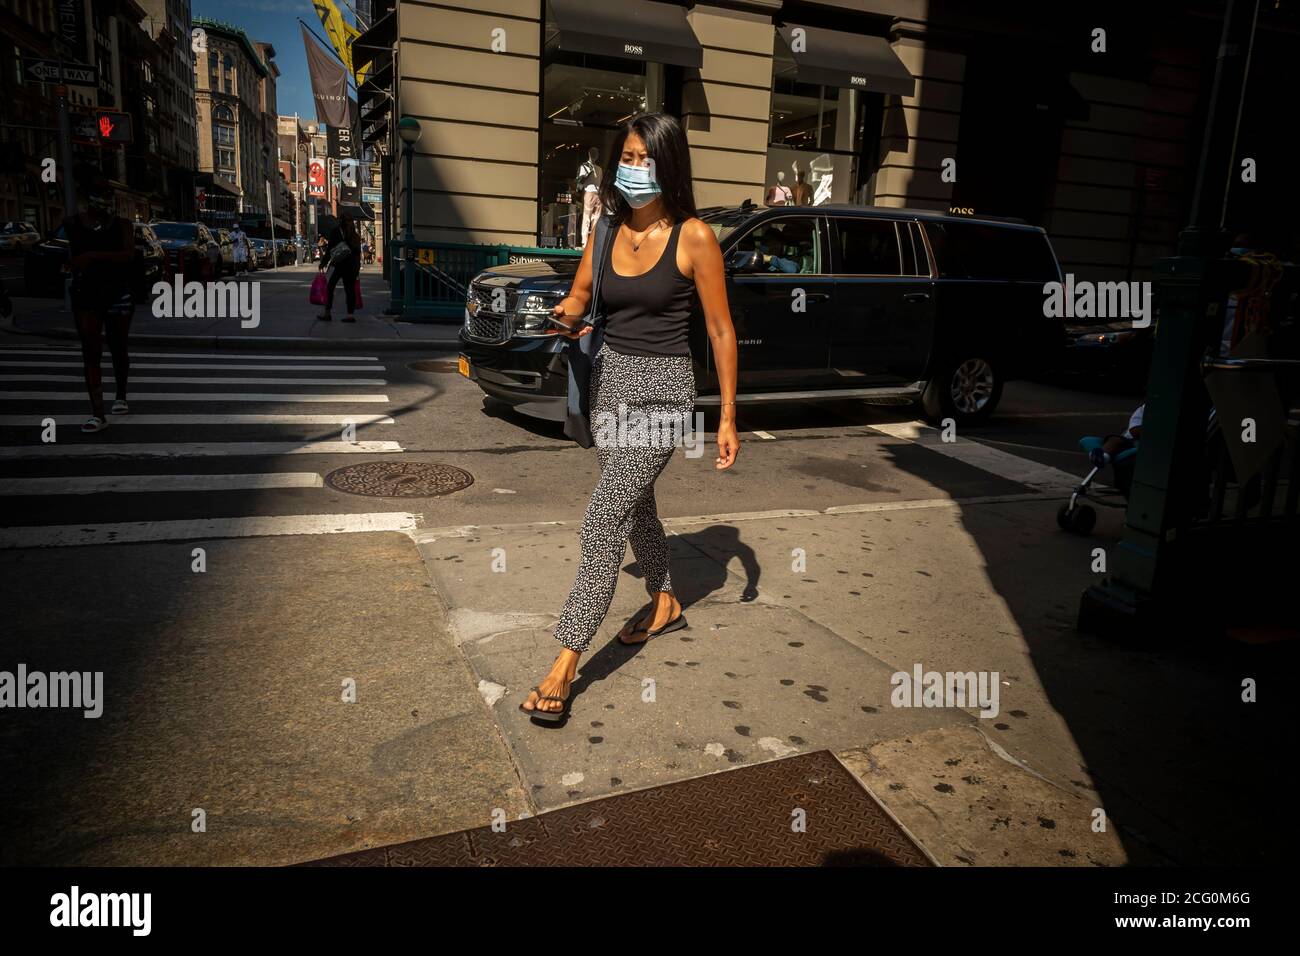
(287, 319)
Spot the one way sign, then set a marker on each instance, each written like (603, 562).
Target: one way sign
(48, 71)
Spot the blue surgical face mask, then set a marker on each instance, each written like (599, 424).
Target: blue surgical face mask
(637, 184)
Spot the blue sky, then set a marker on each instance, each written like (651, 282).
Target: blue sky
(276, 21)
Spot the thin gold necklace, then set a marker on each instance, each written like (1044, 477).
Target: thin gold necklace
(636, 245)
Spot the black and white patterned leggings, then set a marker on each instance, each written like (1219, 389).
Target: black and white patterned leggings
(630, 389)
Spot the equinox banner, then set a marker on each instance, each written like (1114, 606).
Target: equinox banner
(329, 85)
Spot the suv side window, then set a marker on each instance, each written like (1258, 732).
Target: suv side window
(786, 245)
(869, 247)
(972, 250)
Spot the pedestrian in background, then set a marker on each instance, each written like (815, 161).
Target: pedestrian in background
(344, 261)
(239, 241)
(101, 244)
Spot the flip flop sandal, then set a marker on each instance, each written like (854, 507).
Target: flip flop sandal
(119, 407)
(551, 716)
(676, 624)
(94, 424)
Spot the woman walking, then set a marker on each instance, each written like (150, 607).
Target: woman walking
(344, 260)
(100, 245)
(659, 262)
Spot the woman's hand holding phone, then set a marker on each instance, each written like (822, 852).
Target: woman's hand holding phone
(575, 330)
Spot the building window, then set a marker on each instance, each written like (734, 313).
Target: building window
(816, 137)
(585, 99)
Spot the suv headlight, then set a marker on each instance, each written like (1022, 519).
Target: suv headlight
(532, 309)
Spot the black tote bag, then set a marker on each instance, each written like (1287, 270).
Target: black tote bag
(582, 352)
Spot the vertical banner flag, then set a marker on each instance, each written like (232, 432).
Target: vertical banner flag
(316, 178)
(340, 34)
(329, 85)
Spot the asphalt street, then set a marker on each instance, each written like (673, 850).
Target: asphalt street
(226, 666)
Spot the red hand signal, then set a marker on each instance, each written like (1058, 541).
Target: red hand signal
(105, 126)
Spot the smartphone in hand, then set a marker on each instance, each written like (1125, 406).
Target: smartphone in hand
(559, 326)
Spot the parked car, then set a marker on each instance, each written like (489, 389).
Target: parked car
(937, 308)
(284, 252)
(43, 273)
(18, 237)
(263, 253)
(1113, 350)
(150, 262)
(191, 249)
(227, 247)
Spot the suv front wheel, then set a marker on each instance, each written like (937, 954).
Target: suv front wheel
(965, 388)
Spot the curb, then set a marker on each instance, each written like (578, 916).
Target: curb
(244, 342)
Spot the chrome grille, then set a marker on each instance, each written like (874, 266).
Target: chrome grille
(481, 323)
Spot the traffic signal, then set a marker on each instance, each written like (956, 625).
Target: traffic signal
(104, 126)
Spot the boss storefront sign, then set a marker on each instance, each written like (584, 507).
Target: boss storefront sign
(631, 29)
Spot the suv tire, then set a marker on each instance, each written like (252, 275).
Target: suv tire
(965, 388)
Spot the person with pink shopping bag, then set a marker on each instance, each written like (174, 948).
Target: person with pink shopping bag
(344, 262)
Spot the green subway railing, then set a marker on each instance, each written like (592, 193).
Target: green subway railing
(443, 271)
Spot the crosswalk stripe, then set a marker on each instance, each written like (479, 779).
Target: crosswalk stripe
(200, 380)
(208, 366)
(200, 529)
(200, 449)
(36, 421)
(234, 355)
(271, 397)
(103, 484)
(1011, 467)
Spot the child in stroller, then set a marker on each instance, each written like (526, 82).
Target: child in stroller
(1117, 451)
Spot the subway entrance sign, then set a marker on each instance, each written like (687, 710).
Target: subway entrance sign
(103, 126)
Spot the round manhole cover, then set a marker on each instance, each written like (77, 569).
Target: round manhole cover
(399, 479)
(435, 365)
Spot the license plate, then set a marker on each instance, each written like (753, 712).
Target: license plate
(462, 364)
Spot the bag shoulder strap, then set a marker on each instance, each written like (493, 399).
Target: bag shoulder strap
(602, 235)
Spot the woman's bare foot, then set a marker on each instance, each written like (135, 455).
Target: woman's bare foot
(555, 684)
(666, 608)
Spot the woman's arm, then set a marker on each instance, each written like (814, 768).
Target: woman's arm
(705, 257)
(578, 300)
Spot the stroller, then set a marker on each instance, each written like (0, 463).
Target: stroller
(1079, 518)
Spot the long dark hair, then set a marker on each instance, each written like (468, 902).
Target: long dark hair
(665, 143)
(350, 234)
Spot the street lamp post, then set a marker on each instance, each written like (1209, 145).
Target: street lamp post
(408, 129)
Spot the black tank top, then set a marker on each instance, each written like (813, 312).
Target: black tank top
(82, 238)
(648, 314)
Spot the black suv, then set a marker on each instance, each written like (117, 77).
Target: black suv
(896, 302)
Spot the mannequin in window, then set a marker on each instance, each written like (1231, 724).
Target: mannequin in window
(588, 183)
(803, 194)
(823, 174)
(780, 194)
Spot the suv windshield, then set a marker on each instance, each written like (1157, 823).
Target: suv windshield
(12, 227)
(725, 222)
(175, 230)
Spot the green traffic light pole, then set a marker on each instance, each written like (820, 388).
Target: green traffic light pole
(1142, 587)
(408, 128)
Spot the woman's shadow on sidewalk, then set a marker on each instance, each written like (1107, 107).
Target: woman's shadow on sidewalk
(699, 568)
